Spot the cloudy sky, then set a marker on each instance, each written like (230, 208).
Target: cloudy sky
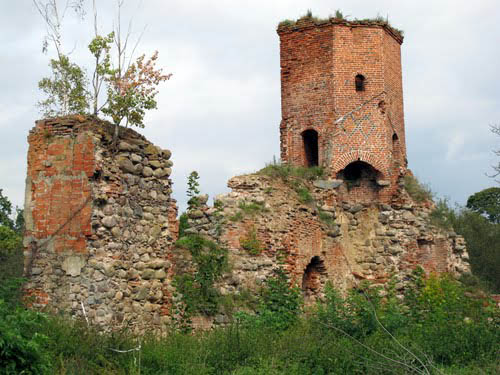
(220, 112)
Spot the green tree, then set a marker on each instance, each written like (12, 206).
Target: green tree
(487, 203)
(131, 85)
(5, 211)
(66, 90)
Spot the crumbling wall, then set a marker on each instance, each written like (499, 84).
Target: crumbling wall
(340, 240)
(100, 222)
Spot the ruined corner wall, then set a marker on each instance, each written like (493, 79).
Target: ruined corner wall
(100, 222)
(323, 239)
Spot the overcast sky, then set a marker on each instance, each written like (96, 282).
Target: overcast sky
(220, 112)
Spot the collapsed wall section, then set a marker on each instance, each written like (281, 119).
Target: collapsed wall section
(100, 222)
(269, 223)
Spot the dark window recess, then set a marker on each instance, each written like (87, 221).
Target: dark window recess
(311, 277)
(360, 82)
(310, 138)
(357, 170)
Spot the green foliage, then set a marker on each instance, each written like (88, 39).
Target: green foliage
(439, 330)
(287, 172)
(210, 260)
(248, 209)
(443, 216)
(326, 217)
(10, 241)
(304, 195)
(339, 15)
(183, 224)
(251, 243)
(100, 48)
(482, 238)
(487, 203)
(132, 92)
(66, 91)
(295, 177)
(5, 211)
(238, 216)
(416, 190)
(279, 307)
(483, 245)
(193, 189)
(22, 346)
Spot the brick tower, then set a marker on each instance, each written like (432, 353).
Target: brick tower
(342, 102)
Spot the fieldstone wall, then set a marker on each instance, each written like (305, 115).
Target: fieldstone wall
(100, 223)
(264, 224)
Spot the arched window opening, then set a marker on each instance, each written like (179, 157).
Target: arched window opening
(360, 82)
(310, 139)
(356, 172)
(396, 150)
(311, 280)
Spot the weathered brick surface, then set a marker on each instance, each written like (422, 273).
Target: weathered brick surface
(370, 241)
(319, 64)
(100, 224)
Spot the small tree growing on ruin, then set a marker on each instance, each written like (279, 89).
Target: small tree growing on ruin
(131, 86)
(193, 189)
(66, 90)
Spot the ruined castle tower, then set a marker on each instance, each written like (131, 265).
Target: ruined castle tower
(342, 102)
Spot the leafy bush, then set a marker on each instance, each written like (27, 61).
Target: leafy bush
(183, 224)
(22, 346)
(197, 289)
(280, 305)
(416, 190)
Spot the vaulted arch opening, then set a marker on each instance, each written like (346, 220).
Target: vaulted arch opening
(312, 277)
(357, 171)
(361, 181)
(310, 141)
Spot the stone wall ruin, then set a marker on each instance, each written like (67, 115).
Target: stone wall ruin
(100, 222)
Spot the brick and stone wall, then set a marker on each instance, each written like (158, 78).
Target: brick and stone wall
(100, 222)
(319, 63)
(324, 239)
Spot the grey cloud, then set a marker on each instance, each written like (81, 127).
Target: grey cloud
(220, 112)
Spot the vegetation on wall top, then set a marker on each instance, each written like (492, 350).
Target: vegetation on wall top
(338, 18)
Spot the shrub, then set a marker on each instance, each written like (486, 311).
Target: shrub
(279, 307)
(22, 346)
(197, 289)
(183, 224)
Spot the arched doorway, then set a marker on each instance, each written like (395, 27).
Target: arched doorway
(312, 277)
(310, 141)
